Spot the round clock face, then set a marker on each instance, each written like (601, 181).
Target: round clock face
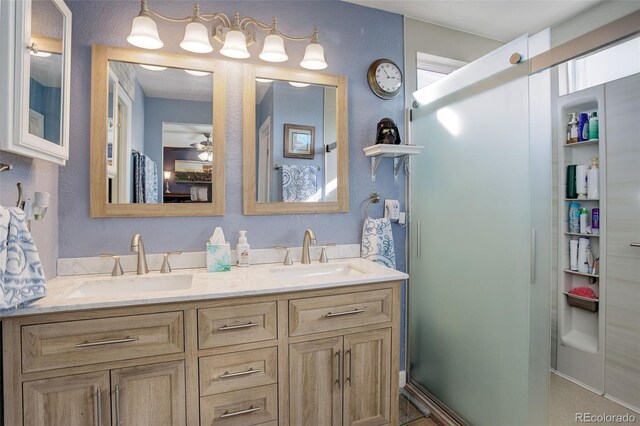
(385, 78)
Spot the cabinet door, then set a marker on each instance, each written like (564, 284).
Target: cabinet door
(68, 401)
(149, 395)
(367, 378)
(315, 382)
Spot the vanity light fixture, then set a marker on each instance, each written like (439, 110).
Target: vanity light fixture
(233, 33)
(197, 73)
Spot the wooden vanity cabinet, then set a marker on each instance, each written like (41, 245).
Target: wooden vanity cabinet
(315, 357)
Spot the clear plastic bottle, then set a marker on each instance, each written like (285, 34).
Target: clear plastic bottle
(573, 128)
(243, 250)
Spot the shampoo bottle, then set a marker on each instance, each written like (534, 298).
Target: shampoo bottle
(243, 250)
(593, 177)
(593, 126)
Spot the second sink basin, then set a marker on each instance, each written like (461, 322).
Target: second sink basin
(320, 270)
(130, 285)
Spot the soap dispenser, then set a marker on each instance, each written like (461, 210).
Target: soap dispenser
(242, 250)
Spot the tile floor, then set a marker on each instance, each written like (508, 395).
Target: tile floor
(411, 416)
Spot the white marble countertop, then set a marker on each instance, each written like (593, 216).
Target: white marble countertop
(251, 281)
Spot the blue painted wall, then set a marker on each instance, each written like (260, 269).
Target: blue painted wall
(47, 101)
(353, 37)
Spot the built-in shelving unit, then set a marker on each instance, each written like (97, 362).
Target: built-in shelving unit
(581, 319)
(399, 153)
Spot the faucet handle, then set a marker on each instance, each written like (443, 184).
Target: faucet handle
(323, 254)
(166, 268)
(287, 258)
(117, 267)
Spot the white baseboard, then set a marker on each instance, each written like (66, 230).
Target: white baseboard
(403, 378)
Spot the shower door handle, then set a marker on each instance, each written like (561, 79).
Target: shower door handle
(418, 238)
(532, 255)
(634, 244)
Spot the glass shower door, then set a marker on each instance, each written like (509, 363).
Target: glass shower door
(470, 241)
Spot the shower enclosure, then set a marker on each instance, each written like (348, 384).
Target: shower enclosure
(478, 306)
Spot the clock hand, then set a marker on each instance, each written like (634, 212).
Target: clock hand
(386, 73)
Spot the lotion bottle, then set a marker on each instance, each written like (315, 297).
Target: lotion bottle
(243, 250)
(593, 180)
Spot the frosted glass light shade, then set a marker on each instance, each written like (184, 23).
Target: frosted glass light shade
(273, 49)
(298, 84)
(144, 33)
(235, 45)
(197, 73)
(153, 67)
(314, 57)
(205, 156)
(196, 38)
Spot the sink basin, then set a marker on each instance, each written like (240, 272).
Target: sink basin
(325, 270)
(130, 285)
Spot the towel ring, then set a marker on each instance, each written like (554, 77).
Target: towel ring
(373, 198)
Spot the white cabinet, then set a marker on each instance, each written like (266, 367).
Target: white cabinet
(35, 69)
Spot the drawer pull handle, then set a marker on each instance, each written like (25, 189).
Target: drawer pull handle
(250, 371)
(249, 410)
(117, 422)
(87, 344)
(634, 244)
(340, 314)
(237, 327)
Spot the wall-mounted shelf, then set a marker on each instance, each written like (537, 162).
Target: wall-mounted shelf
(584, 274)
(577, 234)
(399, 153)
(577, 144)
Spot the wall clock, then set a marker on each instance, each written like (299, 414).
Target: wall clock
(385, 78)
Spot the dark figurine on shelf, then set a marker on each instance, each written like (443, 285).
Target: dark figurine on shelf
(388, 132)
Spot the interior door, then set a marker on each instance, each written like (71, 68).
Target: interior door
(367, 378)
(622, 335)
(315, 382)
(149, 395)
(77, 400)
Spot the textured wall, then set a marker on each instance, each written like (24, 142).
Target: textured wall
(352, 39)
(35, 175)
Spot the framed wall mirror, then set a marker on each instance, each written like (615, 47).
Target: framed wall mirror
(157, 134)
(295, 149)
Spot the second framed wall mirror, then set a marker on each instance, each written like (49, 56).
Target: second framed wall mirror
(157, 134)
(295, 149)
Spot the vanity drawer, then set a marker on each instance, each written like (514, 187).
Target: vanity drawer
(232, 325)
(74, 343)
(238, 370)
(246, 407)
(327, 313)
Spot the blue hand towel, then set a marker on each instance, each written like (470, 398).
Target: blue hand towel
(377, 242)
(22, 279)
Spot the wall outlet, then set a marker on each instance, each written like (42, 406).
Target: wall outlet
(403, 218)
(392, 210)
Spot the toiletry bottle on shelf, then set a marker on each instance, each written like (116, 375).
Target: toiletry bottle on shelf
(583, 127)
(573, 128)
(573, 255)
(243, 250)
(593, 126)
(581, 181)
(584, 215)
(595, 221)
(574, 218)
(584, 247)
(593, 180)
(571, 181)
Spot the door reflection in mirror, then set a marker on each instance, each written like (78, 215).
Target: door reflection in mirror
(296, 155)
(159, 125)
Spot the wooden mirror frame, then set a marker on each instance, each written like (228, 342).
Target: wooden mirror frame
(100, 57)
(250, 204)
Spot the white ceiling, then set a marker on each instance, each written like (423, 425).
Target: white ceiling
(174, 83)
(500, 20)
(182, 135)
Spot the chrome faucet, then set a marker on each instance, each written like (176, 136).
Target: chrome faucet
(309, 237)
(138, 247)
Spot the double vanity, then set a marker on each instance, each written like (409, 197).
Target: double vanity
(269, 344)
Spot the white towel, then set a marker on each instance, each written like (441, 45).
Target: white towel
(22, 279)
(300, 183)
(377, 242)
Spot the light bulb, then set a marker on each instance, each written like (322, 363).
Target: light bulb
(273, 49)
(196, 38)
(144, 33)
(314, 57)
(197, 73)
(235, 45)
